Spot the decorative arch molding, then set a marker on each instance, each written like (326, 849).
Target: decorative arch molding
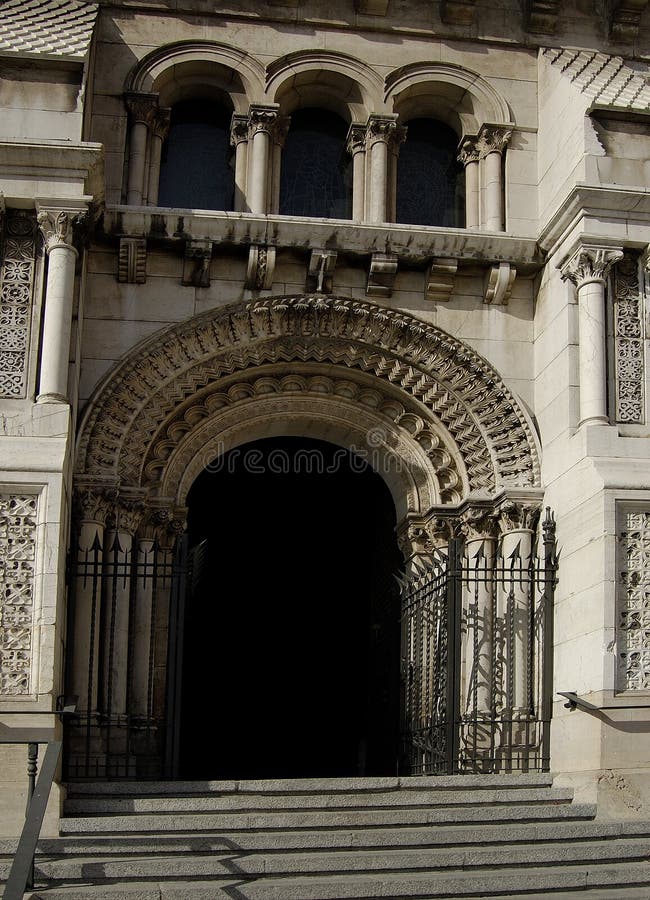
(300, 78)
(432, 395)
(161, 64)
(462, 98)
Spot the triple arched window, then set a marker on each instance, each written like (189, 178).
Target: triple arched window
(199, 143)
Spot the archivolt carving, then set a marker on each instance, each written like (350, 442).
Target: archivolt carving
(164, 374)
(370, 420)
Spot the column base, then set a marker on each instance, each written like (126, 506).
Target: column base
(594, 420)
(52, 398)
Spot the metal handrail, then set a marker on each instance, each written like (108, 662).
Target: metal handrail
(576, 702)
(21, 874)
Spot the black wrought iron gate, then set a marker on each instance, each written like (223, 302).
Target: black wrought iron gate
(477, 650)
(477, 655)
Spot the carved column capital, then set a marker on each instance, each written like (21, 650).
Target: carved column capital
(589, 264)
(160, 122)
(515, 515)
(423, 536)
(469, 150)
(262, 119)
(238, 130)
(127, 512)
(493, 139)
(355, 141)
(142, 107)
(478, 523)
(383, 128)
(93, 502)
(57, 227)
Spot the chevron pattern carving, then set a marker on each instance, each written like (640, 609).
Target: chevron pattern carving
(162, 380)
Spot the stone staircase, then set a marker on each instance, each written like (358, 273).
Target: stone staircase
(461, 836)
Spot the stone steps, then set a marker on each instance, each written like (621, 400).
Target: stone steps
(313, 839)
(558, 880)
(102, 805)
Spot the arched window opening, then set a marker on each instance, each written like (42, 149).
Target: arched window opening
(430, 179)
(316, 177)
(195, 168)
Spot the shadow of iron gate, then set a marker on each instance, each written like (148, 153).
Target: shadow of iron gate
(477, 658)
(475, 636)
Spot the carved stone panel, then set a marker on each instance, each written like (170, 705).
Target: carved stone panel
(16, 294)
(633, 599)
(628, 341)
(18, 519)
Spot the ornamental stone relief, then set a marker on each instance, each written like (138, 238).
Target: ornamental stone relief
(217, 397)
(633, 589)
(628, 341)
(16, 291)
(18, 514)
(461, 390)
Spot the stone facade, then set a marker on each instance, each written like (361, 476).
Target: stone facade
(501, 360)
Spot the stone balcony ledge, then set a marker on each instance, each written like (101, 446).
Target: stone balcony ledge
(411, 244)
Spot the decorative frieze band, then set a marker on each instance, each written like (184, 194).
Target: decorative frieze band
(16, 295)
(18, 522)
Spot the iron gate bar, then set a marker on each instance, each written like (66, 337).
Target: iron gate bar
(454, 613)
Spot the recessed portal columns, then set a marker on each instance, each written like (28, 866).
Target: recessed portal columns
(588, 269)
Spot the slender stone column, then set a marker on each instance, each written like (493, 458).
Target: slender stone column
(92, 506)
(492, 142)
(142, 108)
(117, 587)
(356, 147)
(588, 270)
(239, 140)
(380, 132)
(517, 521)
(479, 527)
(168, 535)
(56, 227)
(469, 156)
(279, 137)
(261, 122)
(159, 131)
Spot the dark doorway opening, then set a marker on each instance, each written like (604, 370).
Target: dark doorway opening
(292, 638)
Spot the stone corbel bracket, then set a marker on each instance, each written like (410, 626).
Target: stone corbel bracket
(625, 18)
(132, 261)
(540, 16)
(261, 268)
(320, 274)
(196, 264)
(499, 280)
(381, 276)
(440, 279)
(458, 12)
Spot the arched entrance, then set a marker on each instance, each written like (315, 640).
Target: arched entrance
(291, 631)
(456, 450)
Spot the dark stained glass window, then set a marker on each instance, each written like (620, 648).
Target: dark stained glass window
(430, 180)
(316, 178)
(195, 169)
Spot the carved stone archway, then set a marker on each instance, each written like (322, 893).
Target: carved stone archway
(432, 417)
(434, 390)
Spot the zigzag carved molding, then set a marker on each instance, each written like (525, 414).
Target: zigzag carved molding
(134, 405)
